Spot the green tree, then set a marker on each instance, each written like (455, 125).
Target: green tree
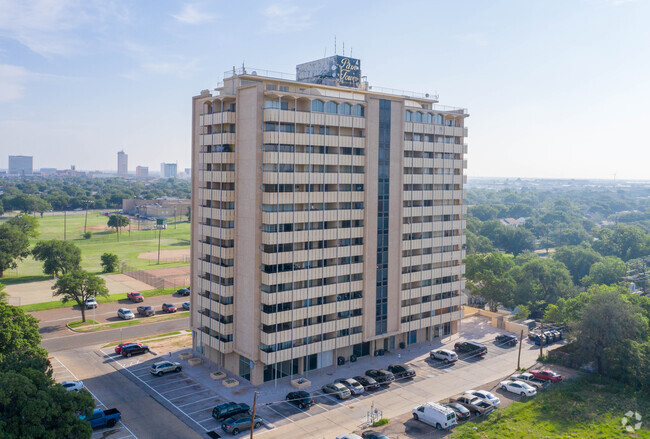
(32, 406)
(109, 262)
(578, 259)
(117, 221)
(522, 312)
(14, 246)
(57, 256)
(79, 285)
(625, 241)
(606, 272)
(477, 243)
(488, 276)
(18, 333)
(594, 332)
(3, 294)
(543, 280)
(28, 224)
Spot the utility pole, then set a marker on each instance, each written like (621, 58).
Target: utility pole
(86, 220)
(253, 414)
(521, 337)
(159, 233)
(541, 340)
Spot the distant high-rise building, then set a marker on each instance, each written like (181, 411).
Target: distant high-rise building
(21, 164)
(188, 171)
(142, 172)
(122, 164)
(168, 170)
(48, 171)
(329, 227)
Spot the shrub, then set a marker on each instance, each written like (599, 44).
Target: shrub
(109, 262)
(88, 235)
(382, 421)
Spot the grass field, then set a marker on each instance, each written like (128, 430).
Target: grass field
(130, 245)
(584, 408)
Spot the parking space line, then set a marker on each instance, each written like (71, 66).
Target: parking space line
(200, 400)
(283, 416)
(188, 394)
(205, 420)
(159, 394)
(94, 396)
(197, 411)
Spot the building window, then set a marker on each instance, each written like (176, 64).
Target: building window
(332, 108)
(417, 117)
(382, 217)
(359, 110)
(346, 109)
(245, 367)
(317, 106)
(408, 116)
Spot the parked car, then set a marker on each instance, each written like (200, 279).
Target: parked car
(91, 303)
(349, 436)
(118, 348)
(186, 305)
(444, 355)
(146, 310)
(125, 314)
(241, 422)
(168, 307)
(355, 387)
(401, 371)
(183, 292)
(72, 386)
(530, 379)
(474, 405)
(435, 414)
(132, 349)
(134, 296)
(485, 396)
(103, 418)
(229, 409)
(381, 376)
(373, 435)
(337, 389)
(367, 382)
(163, 367)
(518, 387)
(506, 340)
(546, 375)
(462, 413)
(470, 347)
(300, 399)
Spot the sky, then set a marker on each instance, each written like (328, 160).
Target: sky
(554, 88)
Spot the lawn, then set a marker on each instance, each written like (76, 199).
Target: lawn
(130, 245)
(583, 408)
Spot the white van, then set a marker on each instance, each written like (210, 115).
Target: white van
(435, 414)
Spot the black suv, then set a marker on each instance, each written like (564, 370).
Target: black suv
(132, 349)
(300, 399)
(470, 347)
(506, 340)
(228, 409)
(381, 376)
(401, 371)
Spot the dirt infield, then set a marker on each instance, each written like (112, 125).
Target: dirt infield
(162, 277)
(96, 228)
(167, 255)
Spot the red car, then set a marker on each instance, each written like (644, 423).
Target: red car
(118, 348)
(168, 307)
(546, 375)
(134, 296)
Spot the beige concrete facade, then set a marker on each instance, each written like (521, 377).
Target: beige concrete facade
(288, 188)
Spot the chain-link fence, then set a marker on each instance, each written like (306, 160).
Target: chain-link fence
(172, 277)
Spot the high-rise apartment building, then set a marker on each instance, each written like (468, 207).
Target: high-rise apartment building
(142, 172)
(21, 164)
(122, 164)
(168, 170)
(327, 219)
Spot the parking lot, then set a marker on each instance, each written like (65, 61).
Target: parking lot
(120, 431)
(188, 398)
(191, 394)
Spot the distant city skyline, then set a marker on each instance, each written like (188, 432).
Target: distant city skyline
(554, 89)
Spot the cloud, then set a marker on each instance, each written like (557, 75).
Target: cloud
(285, 17)
(12, 82)
(51, 27)
(190, 14)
